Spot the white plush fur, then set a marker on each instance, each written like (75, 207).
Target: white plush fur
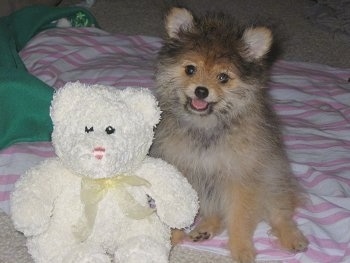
(46, 204)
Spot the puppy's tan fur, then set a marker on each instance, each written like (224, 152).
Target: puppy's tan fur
(218, 129)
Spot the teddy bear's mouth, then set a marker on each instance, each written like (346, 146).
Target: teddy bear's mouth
(99, 152)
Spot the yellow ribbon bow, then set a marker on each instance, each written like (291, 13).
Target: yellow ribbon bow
(92, 192)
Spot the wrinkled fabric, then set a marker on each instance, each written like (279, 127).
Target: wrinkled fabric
(24, 99)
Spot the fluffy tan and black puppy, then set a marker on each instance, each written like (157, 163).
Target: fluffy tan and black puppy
(217, 127)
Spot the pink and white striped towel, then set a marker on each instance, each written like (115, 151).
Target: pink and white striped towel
(313, 102)
(91, 55)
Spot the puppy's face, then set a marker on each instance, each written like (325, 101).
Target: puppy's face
(209, 69)
(201, 82)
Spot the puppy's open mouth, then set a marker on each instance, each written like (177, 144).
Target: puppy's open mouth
(198, 105)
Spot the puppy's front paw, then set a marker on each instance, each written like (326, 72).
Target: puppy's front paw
(207, 229)
(245, 256)
(242, 252)
(295, 241)
(198, 235)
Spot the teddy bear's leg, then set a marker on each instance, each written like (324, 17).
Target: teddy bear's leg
(142, 249)
(87, 253)
(51, 246)
(63, 248)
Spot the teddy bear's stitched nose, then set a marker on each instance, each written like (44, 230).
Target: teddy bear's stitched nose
(99, 152)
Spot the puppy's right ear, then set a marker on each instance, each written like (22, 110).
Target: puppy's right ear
(257, 42)
(176, 20)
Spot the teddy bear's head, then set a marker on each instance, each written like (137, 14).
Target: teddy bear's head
(100, 131)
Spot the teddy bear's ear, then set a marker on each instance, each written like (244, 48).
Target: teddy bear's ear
(176, 20)
(257, 42)
(143, 101)
(63, 100)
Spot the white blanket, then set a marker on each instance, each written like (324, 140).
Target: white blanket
(313, 102)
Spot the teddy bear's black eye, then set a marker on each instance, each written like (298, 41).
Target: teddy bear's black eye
(110, 130)
(190, 70)
(87, 130)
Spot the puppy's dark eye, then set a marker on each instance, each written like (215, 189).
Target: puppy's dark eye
(110, 130)
(87, 130)
(223, 78)
(190, 70)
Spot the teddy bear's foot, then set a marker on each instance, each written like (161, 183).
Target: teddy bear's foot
(87, 255)
(142, 250)
(95, 258)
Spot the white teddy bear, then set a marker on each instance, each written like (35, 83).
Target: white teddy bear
(102, 199)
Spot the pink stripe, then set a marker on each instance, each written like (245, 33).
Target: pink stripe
(338, 161)
(316, 249)
(327, 242)
(57, 48)
(330, 90)
(17, 149)
(323, 93)
(79, 59)
(310, 69)
(74, 40)
(327, 220)
(316, 255)
(321, 207)
(93, 41)
(44, 49)
(315, 140)
(48, 70)
(336, 171)
(55, 55)
(5, 196)
(118, 83)
(7, 179)
(329, 103)
(215, 242)
(38, 153)
(334, 126)
(296, 146)
(303, 113)
(321, 178)
(69, 60)
(126, 77)
(308, 137)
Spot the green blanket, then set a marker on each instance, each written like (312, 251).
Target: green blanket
(24, 99)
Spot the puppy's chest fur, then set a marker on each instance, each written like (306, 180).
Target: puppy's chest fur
(199, 154)
(205, 157)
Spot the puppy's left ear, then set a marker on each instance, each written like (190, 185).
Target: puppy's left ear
(176, 20)
(257, 42)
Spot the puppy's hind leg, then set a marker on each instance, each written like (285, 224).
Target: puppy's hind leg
(206, 229)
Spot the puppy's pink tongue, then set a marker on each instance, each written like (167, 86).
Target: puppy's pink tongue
(199, 104)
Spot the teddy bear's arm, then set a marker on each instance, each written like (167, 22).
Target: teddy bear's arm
(33, 198)
(176, 201)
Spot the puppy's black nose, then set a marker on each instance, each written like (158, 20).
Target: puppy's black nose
(201, 92)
